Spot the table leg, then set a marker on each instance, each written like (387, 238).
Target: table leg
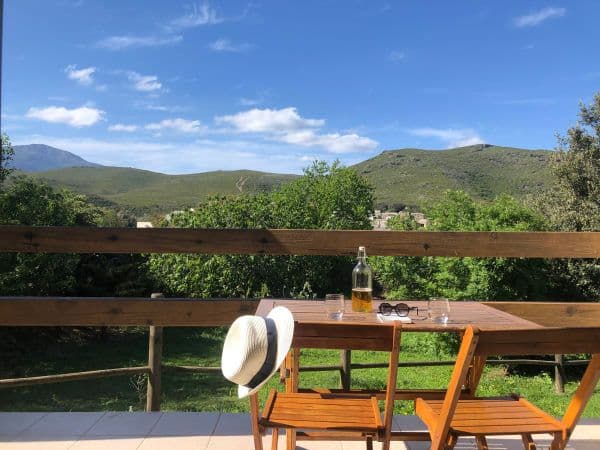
(474, 375)
(291, 385)
(346, 361)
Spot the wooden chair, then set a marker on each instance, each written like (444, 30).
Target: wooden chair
(315, 414)
(480, 417)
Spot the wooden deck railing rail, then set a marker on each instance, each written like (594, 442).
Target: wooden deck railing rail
(45, 311)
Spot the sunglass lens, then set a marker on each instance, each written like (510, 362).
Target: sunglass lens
(402, 309)
(385, 309)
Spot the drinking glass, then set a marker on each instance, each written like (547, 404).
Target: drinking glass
(334, 304)
(439, 309)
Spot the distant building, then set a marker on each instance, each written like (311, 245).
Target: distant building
(144, 225)
(379, 219)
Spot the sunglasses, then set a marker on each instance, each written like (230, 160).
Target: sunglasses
(402, 309)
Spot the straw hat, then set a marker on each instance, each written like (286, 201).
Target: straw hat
(255, 347)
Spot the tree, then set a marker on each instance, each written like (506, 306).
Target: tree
(326, 197)
(573, 201)
(467, 278)
(28, 202)
(6, 154)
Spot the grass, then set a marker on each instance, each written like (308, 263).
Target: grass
(210, 392)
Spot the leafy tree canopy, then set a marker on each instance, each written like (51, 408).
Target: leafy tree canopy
(573, 201)
(466, 278)
(326, 197)
(6, 154)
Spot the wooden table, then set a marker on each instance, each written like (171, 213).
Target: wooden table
(462, 314)
(313, 329)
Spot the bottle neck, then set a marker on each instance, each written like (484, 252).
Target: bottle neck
(362, 256)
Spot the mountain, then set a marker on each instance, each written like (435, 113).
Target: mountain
(145, 192)
(40, 157)
(409, 176)
(415, 177)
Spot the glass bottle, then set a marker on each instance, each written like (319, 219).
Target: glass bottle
(362, 284)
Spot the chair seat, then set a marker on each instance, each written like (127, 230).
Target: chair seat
(321, 411)
(491, 416)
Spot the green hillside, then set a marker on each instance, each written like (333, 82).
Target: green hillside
(414, 177)
(146, 192)
(408, 176)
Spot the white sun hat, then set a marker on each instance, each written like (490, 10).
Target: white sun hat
(255, 347)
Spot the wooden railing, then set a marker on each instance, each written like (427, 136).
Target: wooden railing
(159, 312)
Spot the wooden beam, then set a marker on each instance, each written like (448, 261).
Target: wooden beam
(299, 242)
(110, 311)
(75, 376)
(554, 314)
(155, 351)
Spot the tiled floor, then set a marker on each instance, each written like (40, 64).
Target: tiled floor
(199, 431)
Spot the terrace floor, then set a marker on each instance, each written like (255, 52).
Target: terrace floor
(200, 431)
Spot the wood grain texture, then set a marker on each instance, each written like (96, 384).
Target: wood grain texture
(544, 341)
(105, 311)
(299, 242)
(553, 314)
(311, 315)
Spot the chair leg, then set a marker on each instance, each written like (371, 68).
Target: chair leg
(528, 442)
(451, 442)
(558, 443)
(369, 442)
(254, 416)
(274, 438)
(481, 442)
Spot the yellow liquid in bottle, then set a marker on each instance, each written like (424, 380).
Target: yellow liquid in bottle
(362, 300)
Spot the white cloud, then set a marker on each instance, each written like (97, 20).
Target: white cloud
(127, 42)
(225, 45)
(78, 117)
(332, 142)
(179, 125)
(286, 125)
(122, 127)
(144, 83)
(250, 101)
(536, 18)
(268, 120)
(396, 56)
(452, 137)
(198, 16)
(177, 157)
(81, 76)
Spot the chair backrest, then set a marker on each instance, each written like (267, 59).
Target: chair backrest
(541, 341)
(342, 335)
(477, 345)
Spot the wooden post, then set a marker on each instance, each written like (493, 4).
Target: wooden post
(559, 374)
(346, 361)
(155, 350)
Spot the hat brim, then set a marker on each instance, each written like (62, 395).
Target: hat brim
(284, 324)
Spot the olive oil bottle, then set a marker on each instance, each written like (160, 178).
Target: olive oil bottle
(362, 284)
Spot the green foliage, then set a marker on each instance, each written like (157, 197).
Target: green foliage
(399, 177)
(27, 202)
(326, 197)
(6, 154)
(416, 177)
(146, 193)
(573, 201)
(467, 278)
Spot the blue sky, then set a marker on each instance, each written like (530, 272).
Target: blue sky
(183, 87)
